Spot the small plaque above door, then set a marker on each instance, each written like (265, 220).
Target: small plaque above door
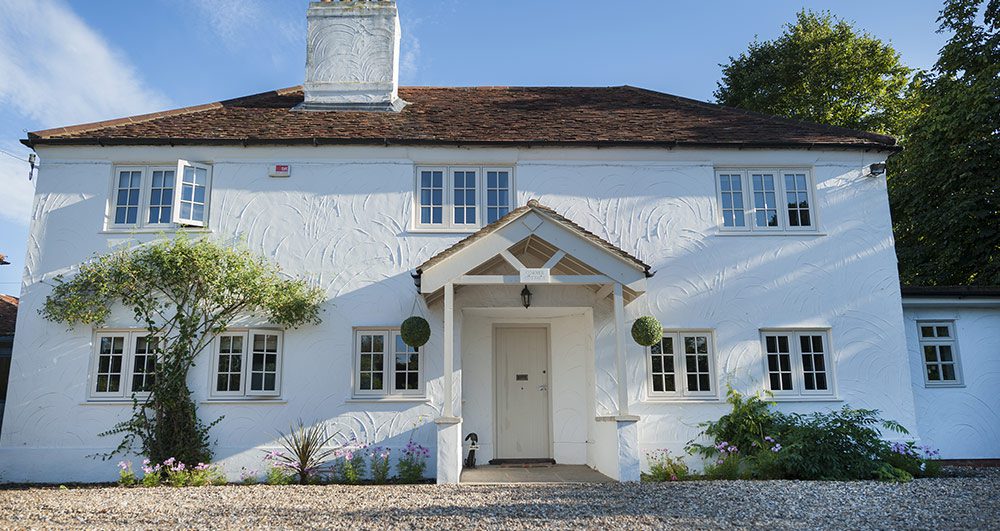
(521, 377)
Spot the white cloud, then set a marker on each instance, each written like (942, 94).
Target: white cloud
(55, 70)
(242, 23)
(59, 71)
(409, 58)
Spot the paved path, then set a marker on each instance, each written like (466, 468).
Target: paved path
(493, 474)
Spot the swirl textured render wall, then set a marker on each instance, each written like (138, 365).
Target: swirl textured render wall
(343, 222)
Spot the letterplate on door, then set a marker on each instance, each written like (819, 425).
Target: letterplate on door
(539, 275)
(521, 377)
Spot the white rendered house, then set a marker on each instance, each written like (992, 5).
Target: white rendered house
(763, 245)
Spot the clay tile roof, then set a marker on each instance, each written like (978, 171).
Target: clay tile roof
(556, 116)
(547, 212)
(8, 314)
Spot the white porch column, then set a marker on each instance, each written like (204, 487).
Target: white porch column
(449, 438)
(620, 368)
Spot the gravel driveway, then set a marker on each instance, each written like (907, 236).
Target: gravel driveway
(970, 501)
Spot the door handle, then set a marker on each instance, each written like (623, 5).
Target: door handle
(543, 388)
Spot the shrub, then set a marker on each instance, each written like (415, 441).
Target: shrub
(919, 462)
(126, 477)
(665, 467)
(249, 477)
(379, 464)
(887, 472)
(413, 462)
(307, 451)
(152, 474)
(278, 475)
(351, 467)
(845, 444)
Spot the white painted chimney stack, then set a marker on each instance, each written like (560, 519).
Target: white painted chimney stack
(352, 56)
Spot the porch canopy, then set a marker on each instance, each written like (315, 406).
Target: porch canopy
(533, 245)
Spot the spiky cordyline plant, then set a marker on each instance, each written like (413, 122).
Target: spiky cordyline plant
(307, 450)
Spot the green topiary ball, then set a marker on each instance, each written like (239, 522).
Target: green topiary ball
(646, 330)
(415, 331)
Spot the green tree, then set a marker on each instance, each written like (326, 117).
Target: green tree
(185, 292)
(945, 188)
(820, 70)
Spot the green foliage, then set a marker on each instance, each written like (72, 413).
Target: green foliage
(412, 463)
(887, 472)
(126, 476)
(379, 464)
(646, 330)
(821, 69)
(415, 331)
(185, 292)
(753, 441)
(307, 451)
(277, 475)
(351, 467)
(665, 467)
(844, 444)
(153, 479)
(918, 461)
(943, 188)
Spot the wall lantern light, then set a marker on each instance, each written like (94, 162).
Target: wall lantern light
(526, 297)
(876, 169)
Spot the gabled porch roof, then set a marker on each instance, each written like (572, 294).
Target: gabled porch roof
(534, 239)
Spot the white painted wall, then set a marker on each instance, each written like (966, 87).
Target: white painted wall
(341, 221)
(963, 422)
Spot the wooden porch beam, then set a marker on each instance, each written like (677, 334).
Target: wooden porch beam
(515, 279)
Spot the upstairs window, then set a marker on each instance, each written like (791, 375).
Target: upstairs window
(385, 366)
(761, 200)
(461, 198)
(160, 196)
(797, 362)
(682, 364)
(939, 351)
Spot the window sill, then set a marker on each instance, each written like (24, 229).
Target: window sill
(243, 401)
(393, 400)
(944, 385)
(800, 398)
(443, 230)
(769, 233)
(683, 400)
(156, 230)
(106, 402)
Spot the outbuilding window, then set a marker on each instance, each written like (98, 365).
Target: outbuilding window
(682, 364)
(461, 197)
(247, 363)
(797, 362)
(160, 196)
(385, 366)
(939, 351)
(765, 200)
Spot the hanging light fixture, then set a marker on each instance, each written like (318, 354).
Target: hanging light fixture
(526, 297)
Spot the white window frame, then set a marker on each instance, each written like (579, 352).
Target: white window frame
(798, 374)
(749, 210)
(178, 189)
(128, 365)
(951, 341)
(680, 367)
(145, 193)
(245, 392)
(448, 223)
(388, 390)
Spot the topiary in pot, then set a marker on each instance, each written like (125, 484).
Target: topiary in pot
(415, 331)
(646, 330)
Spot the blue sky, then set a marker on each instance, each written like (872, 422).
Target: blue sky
(73, 61)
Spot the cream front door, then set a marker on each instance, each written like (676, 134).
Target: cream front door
(522, 392)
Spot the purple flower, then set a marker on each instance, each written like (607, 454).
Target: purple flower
(769, 439)
(145, 461)
(169, 462)
(776, 448)
(124, 465)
